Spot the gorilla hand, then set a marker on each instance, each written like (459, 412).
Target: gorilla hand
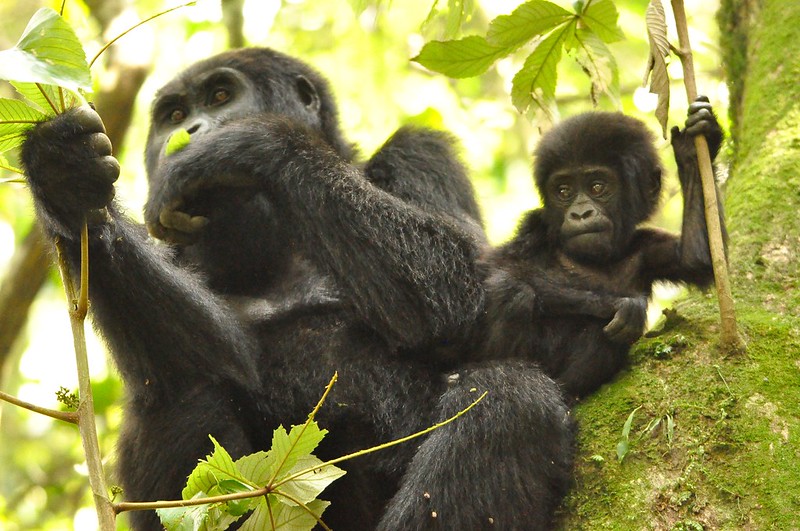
(70, 169)
(629, 320)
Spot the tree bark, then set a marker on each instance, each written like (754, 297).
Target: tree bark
(715, 445)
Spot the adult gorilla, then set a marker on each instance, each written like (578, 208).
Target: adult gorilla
(288, 262)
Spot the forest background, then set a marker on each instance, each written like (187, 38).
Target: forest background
(710, 441)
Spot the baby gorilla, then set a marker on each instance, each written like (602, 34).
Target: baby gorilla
(570, 290)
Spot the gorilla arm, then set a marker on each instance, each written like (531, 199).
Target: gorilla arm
(163, 326)
(410, 273)
(688, 259)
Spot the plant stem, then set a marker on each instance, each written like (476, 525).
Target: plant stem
(730, 340)
(78, 306)
(66, 416)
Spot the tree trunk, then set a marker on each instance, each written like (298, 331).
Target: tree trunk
(716, 444)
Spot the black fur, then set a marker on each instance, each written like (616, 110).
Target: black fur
(289, 262)
(570, 289)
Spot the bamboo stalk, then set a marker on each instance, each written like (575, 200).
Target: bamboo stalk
(730, 339)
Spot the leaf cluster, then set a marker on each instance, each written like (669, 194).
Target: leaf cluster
(48, 68)
(551, 30)
(289, 477)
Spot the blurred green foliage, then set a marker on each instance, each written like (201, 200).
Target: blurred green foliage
(364, 47)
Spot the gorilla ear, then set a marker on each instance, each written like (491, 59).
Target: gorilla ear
(308, 93)
(655, 185)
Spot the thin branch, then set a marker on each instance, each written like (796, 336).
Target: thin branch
(66, 416)
(118, 37)
(730, 339)
(122, 507)
(86, 419)
(305, 426)
(384, 445)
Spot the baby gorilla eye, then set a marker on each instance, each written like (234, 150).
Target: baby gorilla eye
(598, 187)
(220, 96)
(564, 192)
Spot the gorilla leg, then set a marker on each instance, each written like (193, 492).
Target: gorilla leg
(504, 465)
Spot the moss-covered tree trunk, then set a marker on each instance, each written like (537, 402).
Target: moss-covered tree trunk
(716, 443)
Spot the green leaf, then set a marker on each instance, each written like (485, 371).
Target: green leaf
(533, 18)
(184, 518)
(48, 98)
(48, 52)
(177, 141)
(5, 165)
(257, 468)
(458, 12)
(299, 442)
(597, 61)
(467, 57)
(285, 517)
(601, 17)
(670, 428)
(210, 472)
(624, 444)
(15, 118)
(307, 487)
(536, 80)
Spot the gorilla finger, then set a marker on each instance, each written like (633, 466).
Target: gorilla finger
(700, 115)
(701, 97)
(181, 221)
(88, 119)
(695, 109)
(102, 170)
(100, 144)
(614, 327)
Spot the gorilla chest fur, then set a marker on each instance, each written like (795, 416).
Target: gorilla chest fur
(622, 277)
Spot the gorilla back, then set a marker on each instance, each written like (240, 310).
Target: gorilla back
(286, 261)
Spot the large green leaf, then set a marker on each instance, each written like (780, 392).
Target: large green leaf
(536, 80)
(15, 118)
(5, 165)
(533, 18)
(48, 98)
(285, 517)
(258, 468)
(299, 442)
(210, 472)
(308, 486)
(48, 52)
(467, 57)
(458, 12)
(601, 17)
(597, 61)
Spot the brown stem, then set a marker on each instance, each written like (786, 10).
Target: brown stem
(78, 303)
(730, 339)
(66, 416)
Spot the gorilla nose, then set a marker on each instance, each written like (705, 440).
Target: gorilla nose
(198, 126)
(582, 214)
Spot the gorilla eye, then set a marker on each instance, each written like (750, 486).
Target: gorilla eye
(564, 192)
(220, 96)
(177, 116)
(598, 187)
